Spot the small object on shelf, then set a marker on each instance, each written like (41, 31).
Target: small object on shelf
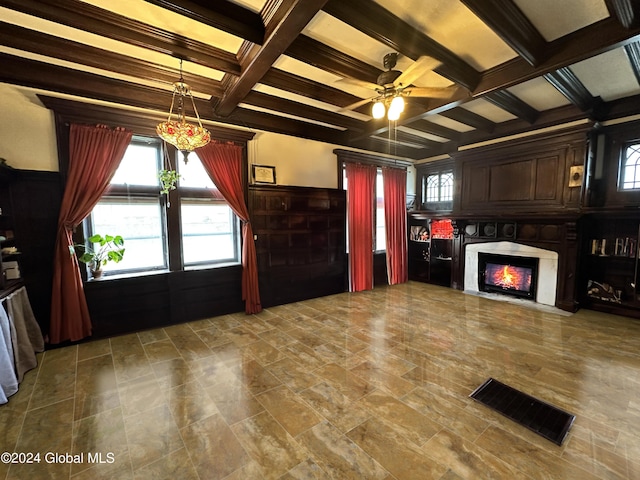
(419, 233)
(11, 270)
(441, 229)
(604, 292)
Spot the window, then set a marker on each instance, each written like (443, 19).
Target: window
(630, 174)
(438, 187)
(379, 234)
(133, 207)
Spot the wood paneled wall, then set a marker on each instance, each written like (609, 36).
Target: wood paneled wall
(527, 176)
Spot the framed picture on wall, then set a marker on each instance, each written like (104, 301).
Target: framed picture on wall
(264, 174)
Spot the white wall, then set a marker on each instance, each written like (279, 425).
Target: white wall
(298, 162)
(27, 131)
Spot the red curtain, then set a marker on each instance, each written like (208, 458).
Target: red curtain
(395, 216)
(94, 155)
(360, 200)
(223, 162)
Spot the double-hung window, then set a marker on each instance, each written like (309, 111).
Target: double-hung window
(197, 228)
(379, 233)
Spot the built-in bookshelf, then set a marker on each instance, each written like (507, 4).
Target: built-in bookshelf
(610, 263)
(430, 250)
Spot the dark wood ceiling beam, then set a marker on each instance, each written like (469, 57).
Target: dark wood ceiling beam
(221, 14)
(63, 49)
(547, 118)
(597, 38)
(626, 11)
(56, 79)
(307, 88)
(324, 57)
(512, 104)
(288, 20)
(467, 117)
(290, 107)
(509, 23)
(434, 129)
(86, 17)
(633, 54)
(384, 146)
(566, 82)
(374, 20)
(396, 135)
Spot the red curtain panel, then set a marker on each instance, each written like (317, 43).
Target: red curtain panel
(395, 215)
(94, 155)
(361, 181)
(223, 163)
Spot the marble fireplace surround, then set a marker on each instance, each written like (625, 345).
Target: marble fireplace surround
(547, 269)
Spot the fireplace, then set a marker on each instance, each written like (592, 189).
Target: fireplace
(547, 281)
(508, 274)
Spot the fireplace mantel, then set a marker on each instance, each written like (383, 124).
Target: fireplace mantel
(556, 234)
(547, 268)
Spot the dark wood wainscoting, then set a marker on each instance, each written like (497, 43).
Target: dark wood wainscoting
(35, 198)
(300, 242)
(132, 304)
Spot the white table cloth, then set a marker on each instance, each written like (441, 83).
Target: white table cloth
(21, 339)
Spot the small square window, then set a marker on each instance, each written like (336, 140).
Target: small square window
(630, 178)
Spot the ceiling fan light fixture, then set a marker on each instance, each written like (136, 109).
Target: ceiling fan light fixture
(378, 110)
(397, 104)
(393, 115)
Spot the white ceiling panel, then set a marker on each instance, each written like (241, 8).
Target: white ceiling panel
(555, 18)
(488, 110)
(608, 75)
(166, 20)
(331, 31)
(426, 135)
(453, 25)
(306, 70)
(539, 94)
(449, 123)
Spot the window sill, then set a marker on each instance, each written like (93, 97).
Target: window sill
(191, 268)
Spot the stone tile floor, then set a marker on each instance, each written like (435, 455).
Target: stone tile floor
(371, 385)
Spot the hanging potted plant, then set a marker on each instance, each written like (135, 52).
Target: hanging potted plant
(168, 180)
(168, 176)
(109, 249)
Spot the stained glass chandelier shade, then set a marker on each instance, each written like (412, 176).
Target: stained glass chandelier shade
(185, 136)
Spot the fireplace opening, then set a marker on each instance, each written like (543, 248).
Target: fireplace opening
(508, 274)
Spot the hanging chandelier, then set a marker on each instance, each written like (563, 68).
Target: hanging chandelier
(185, 136)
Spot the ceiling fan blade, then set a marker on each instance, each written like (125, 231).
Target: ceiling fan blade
(431, 92)
(358, 83)
(421, 66)
(353, 106)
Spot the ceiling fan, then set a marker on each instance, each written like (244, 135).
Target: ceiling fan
(393, 84)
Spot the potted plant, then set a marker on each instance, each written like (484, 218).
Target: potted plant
(109, 248)
(168, 180)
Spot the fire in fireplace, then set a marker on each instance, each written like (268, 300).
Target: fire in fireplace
(507, 274)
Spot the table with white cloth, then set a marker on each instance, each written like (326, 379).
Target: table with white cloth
(20, 340)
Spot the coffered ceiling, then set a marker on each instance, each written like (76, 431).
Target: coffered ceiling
(292, 66)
